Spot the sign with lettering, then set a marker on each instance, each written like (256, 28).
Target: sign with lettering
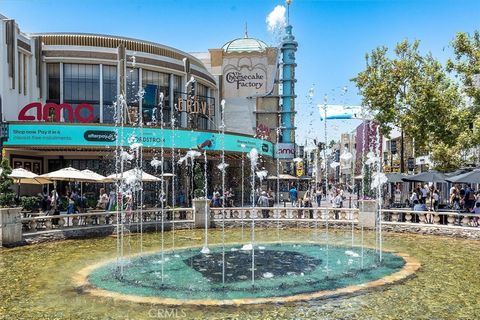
(46, 134)
(245, 80)
(300, 170)
(285, 151)
(53, 112)
(196, 105)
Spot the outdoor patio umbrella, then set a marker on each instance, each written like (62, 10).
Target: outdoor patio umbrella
(134, 172)
(469, 177)
(455, 173)
(98, 177)
(428, 176)
(23, 176)
(67, 174)
(395, 177)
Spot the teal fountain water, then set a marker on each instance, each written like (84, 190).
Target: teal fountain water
(281, 270)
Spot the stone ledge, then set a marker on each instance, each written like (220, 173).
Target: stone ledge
(107, 230)
(447, 231)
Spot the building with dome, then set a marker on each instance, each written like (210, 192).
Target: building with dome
(247, 72)
(257, 82)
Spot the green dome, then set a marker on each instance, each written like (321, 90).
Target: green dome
(245, 45)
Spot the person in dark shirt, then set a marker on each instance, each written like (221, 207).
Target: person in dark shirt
(293, 195)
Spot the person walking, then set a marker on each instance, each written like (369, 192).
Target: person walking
(307, 202)
(424, 194)
(455, 200)
(469, 198)
(435, 200)
(263, 202)
(318, 197)
(293, 196)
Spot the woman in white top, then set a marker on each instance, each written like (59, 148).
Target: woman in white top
(414, 196)
(103, 199)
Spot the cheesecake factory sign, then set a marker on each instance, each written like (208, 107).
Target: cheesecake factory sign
(247, 79)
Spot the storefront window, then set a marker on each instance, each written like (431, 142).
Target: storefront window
(132, 96)
(109, 93)
(177, 89)
(53, 82)
(155, 84)
(81, 84)
(108, 113)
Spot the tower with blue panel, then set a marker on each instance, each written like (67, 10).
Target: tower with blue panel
(287, 108)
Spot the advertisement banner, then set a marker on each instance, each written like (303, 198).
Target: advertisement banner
(43, 134)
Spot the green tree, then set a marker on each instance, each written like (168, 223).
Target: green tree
(445, 157)
(5, 181)
(467, 64)
(7, 197)
(413, 92)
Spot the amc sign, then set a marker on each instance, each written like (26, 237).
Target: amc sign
(44, 113)
(285, 151)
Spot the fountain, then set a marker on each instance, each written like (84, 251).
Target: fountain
(230, 273)
(296, 267)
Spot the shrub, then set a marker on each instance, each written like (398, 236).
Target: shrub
(7, 199)
(28, 203)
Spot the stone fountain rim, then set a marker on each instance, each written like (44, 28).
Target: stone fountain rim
(81, 282)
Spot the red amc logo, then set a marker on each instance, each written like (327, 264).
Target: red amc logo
(43, 113)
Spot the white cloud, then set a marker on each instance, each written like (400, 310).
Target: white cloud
(276, 19)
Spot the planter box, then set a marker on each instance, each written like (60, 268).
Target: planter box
(10, 226)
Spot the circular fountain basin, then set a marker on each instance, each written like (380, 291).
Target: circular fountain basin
(283, 272)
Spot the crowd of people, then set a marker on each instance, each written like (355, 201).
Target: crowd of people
(425, 198)
(461, 198)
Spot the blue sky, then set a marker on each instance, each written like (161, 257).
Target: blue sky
(333, 36)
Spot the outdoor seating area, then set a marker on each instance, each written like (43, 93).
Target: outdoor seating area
(457, 192)
(70, 198)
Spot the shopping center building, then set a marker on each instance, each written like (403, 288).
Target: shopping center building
(59, 108)
(60, 94)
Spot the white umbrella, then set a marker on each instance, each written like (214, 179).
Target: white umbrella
(128, 175)
(68, 174)
(94, 175)
(23, 176)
